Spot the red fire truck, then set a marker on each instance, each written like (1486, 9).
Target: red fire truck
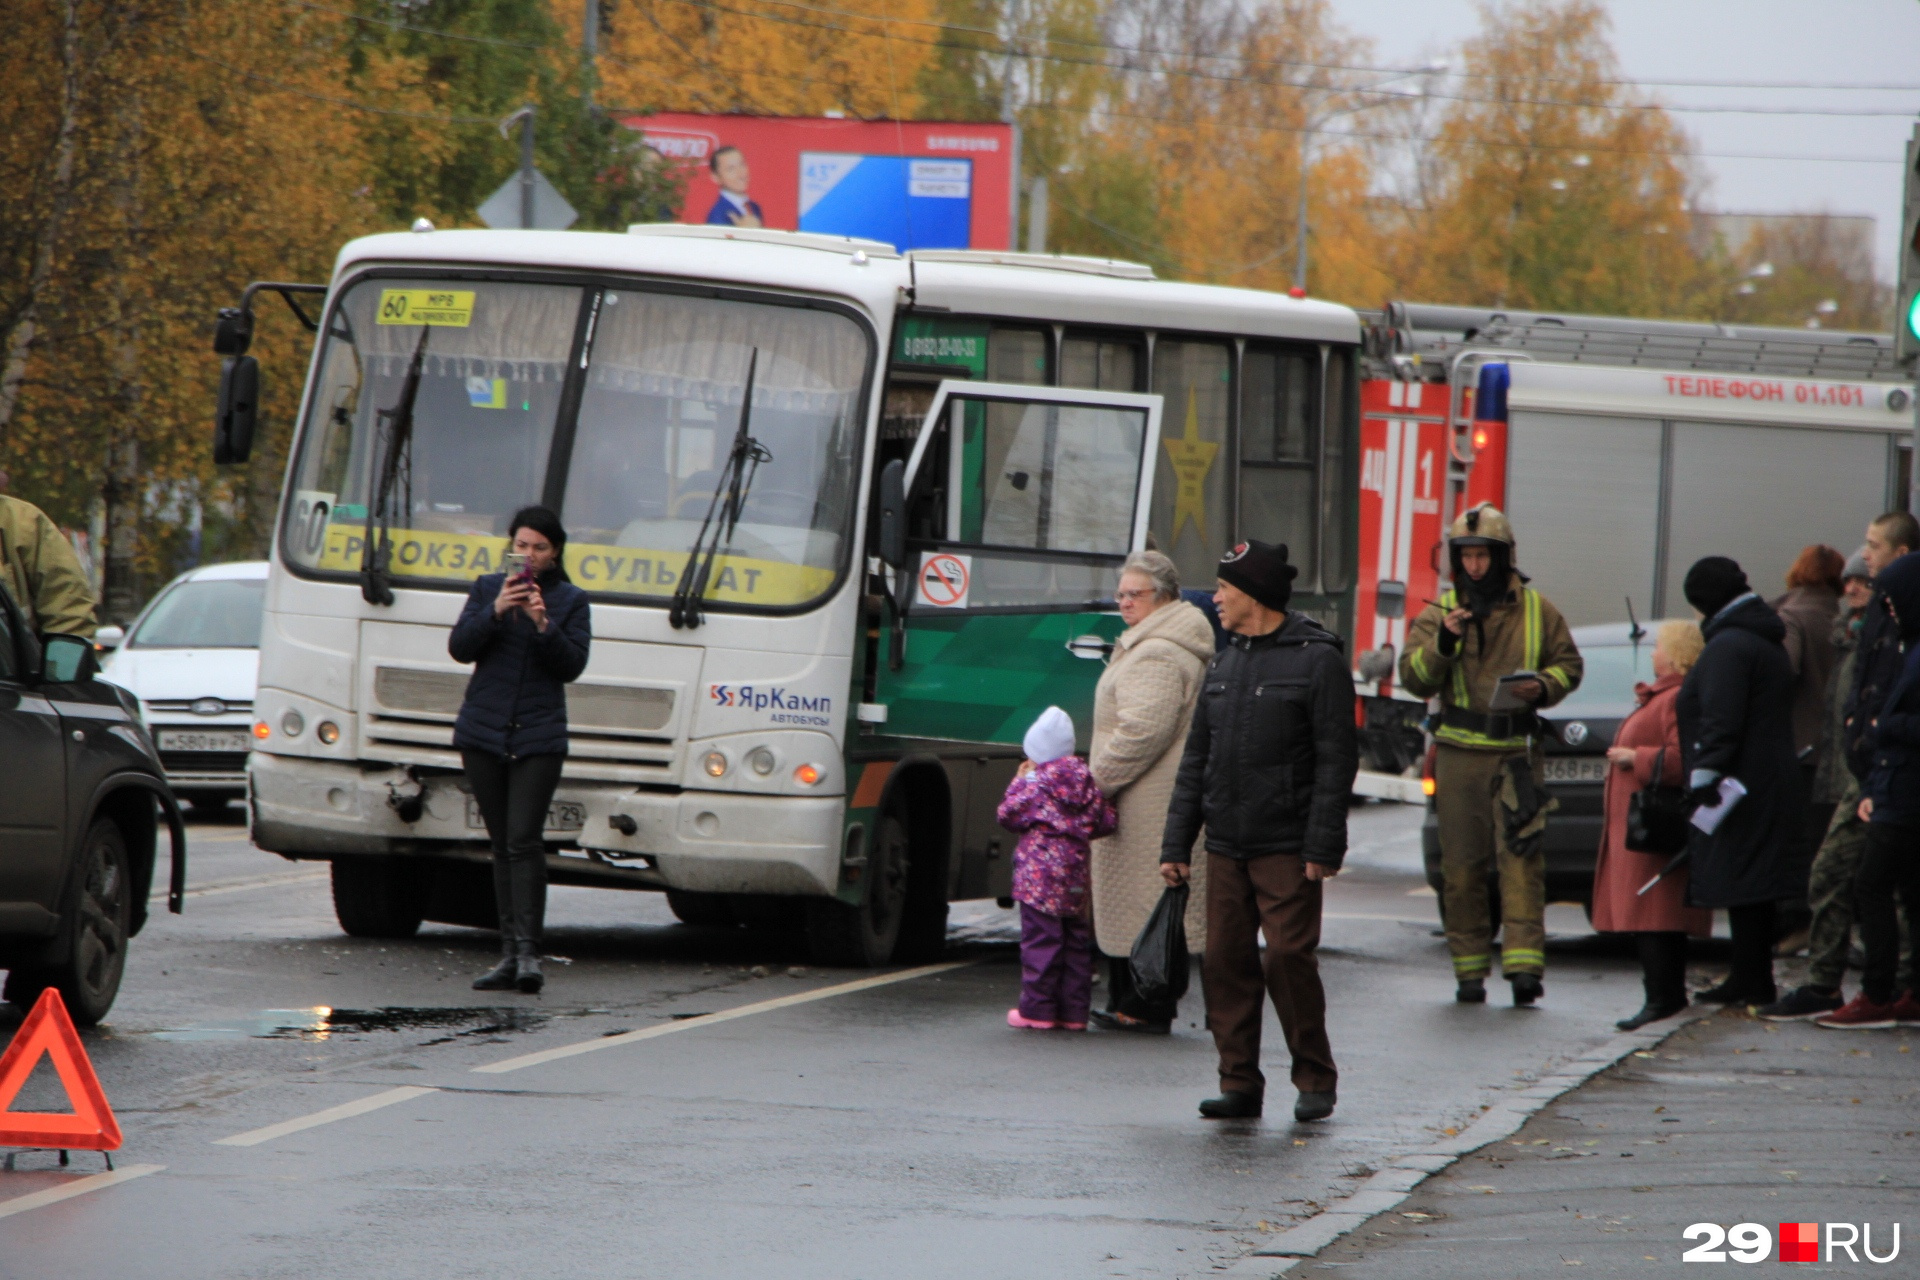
(1622, 449)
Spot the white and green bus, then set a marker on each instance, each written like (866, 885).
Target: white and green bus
(848, 519)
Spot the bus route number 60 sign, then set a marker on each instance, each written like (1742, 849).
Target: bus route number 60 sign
(944, 580)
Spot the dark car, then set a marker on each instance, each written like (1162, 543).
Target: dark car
(80, 809)
(1618, 656)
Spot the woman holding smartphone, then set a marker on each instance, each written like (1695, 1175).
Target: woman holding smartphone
(527, 631)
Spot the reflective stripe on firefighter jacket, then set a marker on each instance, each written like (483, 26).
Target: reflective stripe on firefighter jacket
(1523, 633)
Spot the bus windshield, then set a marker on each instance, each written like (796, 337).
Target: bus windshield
(631, 441)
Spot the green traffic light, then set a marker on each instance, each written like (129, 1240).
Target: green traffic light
(1913, 316)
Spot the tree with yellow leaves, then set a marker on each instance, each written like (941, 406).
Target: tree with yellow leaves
(1553, 187)
(162, 153)
(862, 58)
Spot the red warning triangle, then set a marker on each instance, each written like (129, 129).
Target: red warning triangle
(49, 1030)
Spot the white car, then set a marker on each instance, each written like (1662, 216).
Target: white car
(192, 657)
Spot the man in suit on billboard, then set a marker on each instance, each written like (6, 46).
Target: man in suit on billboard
(733, 208)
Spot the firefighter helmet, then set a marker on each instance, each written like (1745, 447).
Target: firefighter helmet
(1481, 526)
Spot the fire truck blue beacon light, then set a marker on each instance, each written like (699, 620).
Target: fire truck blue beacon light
(1490, 399)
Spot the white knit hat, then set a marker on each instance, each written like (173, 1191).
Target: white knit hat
(1051, 736)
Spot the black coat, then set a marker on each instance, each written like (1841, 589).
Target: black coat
(1270, 758)
(1736, 718)
(516, 703)
(1893, 728)
(1876, 665)
(1894, 783)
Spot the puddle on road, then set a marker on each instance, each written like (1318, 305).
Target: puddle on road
(322, 1022)
(982, 922)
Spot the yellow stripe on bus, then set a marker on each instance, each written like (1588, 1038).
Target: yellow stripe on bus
(428, 554)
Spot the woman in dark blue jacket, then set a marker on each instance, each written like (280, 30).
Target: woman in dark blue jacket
(527, 636)
(1891, 810)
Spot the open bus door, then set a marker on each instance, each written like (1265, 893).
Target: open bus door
(1021, 504)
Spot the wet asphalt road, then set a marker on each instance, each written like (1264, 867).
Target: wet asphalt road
(900, 1130)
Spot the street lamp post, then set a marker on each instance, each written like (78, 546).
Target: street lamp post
(1312, 126)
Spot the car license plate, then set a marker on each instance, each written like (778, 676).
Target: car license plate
(562, 815)
(1576, 768)
(205, 740)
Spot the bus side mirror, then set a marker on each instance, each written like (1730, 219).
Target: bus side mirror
(893, 513)
(233, 332)
(238, 410)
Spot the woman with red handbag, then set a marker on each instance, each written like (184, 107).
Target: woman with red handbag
(1645, 771)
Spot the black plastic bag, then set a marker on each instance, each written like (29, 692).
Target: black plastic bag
(1159, 958)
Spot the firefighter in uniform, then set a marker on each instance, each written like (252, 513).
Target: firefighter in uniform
(1488, 766)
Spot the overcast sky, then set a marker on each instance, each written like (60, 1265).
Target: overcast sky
(1775, 41)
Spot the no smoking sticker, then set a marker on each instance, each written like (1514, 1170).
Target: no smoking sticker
(944, 580)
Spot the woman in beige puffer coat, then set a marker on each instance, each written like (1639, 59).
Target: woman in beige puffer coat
(1141, 710)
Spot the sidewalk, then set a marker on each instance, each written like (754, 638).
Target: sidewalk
(1729, 1120)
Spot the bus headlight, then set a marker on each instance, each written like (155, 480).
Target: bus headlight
(806, 775)
(328, 732)
(715, 764)
(292, 723)
(762, 761)
(261, 730)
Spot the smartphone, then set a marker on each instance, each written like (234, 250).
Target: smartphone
(515, 564)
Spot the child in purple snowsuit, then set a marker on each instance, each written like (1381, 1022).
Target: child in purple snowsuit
(1057, 808)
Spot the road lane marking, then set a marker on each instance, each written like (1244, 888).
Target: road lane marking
(725, 1015)
(78, 1187)
(238, 886)
(345, 1111)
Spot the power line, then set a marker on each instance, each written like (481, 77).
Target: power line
(1573, 148)
(1844, 112)
(1110, 47)
(1351, 135)
(1220, 77)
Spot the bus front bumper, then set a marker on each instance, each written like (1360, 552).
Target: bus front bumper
(716, 842)
(699, 840)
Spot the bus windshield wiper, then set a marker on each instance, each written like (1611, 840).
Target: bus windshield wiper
(396, 464)
(729, 500)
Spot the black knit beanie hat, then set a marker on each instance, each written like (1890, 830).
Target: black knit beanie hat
(1713, 583)
(1261, 570)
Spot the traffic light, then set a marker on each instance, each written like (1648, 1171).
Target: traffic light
(1906, 318)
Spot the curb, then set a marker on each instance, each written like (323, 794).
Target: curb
(1390, 1187)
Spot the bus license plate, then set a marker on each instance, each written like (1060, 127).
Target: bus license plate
(562, 815)
(204, 740)
(1576, 768)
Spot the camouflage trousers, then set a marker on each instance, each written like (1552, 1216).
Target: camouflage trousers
(1830, 894)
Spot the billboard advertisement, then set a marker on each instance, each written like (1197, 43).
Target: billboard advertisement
(913, 184)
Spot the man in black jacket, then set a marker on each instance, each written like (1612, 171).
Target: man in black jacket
(1268, 767)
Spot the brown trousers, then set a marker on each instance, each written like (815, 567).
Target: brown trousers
(1270, 895)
